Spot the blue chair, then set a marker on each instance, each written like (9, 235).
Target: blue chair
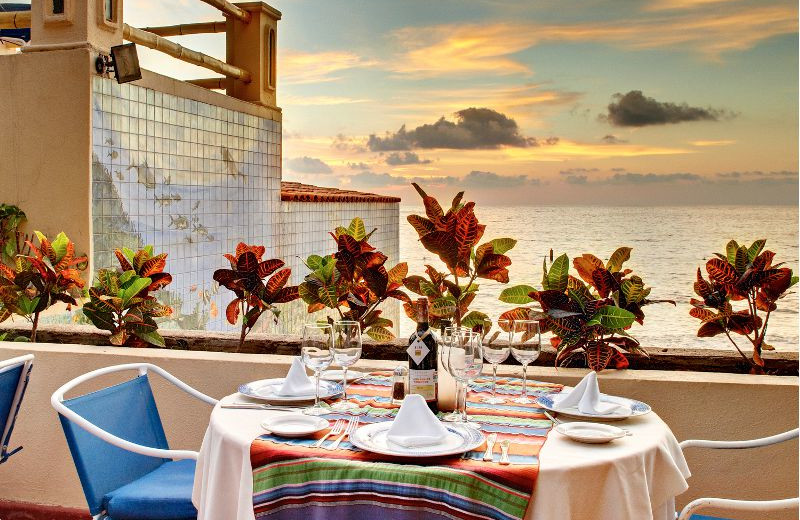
(119, 448)
(14, 376)
(764, 506)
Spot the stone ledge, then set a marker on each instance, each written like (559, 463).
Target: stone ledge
(681, 359)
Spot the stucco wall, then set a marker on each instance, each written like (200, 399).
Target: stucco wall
(695, 405)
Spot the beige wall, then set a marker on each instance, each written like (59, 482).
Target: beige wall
(45, 152)
(695, 405)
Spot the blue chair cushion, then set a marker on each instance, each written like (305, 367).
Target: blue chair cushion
(703, 517)
(163, 494)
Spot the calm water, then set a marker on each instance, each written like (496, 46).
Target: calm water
(669, 243)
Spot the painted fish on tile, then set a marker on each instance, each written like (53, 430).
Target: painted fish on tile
(202, 231)
(166, 200)
(196, 205)
(145, 175)
(230, 163)
(119, 175)
(109, 141)
(178, 222)
(214, 310)
(193, 288)
(113, 154)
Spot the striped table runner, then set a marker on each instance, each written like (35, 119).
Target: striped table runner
(293, 481)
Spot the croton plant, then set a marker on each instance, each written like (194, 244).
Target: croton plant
(45, 275)
(589, 315)
(354, 281)
(742, 274)
(121, 300)
(454, 236)
(258, 285)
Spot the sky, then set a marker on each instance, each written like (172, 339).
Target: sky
(606, 102)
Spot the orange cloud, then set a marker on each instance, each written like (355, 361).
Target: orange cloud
(314, 67)
(720, 142)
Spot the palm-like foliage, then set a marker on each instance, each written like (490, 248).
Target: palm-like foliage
(744, 274)
(51, 273)
(256, 288)
(120, 300)
(454, 236)
(354, 281)
(589, 315)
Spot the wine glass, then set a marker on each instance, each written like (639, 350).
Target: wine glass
(316, 352)
(525, 341)
(465, 362)
(494, 351)
(346, 351)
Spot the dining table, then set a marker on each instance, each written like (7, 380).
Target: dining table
(636, 477)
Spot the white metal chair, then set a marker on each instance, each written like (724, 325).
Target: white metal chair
(120, 450)
(738, 505)
(14, 376)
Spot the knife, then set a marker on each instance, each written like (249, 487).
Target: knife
(489, 455)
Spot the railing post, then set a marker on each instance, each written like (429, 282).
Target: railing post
(253, 46)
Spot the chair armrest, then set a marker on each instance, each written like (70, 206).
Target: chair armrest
(737, 505)
(738, 445)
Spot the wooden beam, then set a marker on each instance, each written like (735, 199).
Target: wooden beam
(15, 20)
(209, 83)
(230, 9)
(156, 42)
(187, 28)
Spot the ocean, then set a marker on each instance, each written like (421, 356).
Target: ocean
(669, 244)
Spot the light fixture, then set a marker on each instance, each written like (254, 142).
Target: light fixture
(124, 62)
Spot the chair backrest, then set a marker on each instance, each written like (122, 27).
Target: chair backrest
(14, 376)
(127, 410)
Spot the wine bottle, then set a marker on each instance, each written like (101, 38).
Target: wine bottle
(423, 359)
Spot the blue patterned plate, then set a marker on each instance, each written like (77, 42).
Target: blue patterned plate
(637, 407)
(267, 390)
(373, 437)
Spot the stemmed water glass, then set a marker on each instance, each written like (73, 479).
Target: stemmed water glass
(495, 352)
(316, 352)
(444, 352)
(465, 362)
(346, 351)
(525, 342)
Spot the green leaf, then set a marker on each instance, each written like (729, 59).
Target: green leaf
(381, 334)
(129, 254)
(152, 337)
(517, 295)
(314, 262)
(341, 231)
(559, 271)
(755, 249)
(308, 293)
(327, 295)
(134, 287)
(740, 262)
(730, 251)
(108, 281)
(101, 320)
(618, 257)
(442, 308)
(633, 289)
(501, 246)
(357, 229)
(474, 318)
(428, 289)
(59, 245)
(611, 317)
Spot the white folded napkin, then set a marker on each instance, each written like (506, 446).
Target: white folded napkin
(586, 398)
(415, 424)
(297, 382)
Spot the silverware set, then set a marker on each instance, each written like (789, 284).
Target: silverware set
(340, 430)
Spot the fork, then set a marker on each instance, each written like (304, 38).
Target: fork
(338, 426)
(351, 427)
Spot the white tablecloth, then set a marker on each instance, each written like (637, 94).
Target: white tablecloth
(633, 478)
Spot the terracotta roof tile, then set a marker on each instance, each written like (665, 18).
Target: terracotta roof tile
(297, 192)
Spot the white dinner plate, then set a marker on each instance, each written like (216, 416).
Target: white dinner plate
(637, 408)
(336, 375)
(459, 439)
(590, 433)
(294, 425)
(267, 390)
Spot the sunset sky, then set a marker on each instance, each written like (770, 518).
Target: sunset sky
(531, 102)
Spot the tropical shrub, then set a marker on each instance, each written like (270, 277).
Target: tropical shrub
(454, 237)
(588, 316)
(256, 291)
(354, 281)
(742, 274)
(120, 301)
(51, 273)
(11, 218)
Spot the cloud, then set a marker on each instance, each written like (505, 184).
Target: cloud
(476, 128)
(578, 171)
(474, 179)
(577, 179)
(399, 159)
(721, 142)
(651, 178)
(757, 174)
(613, 139)
(298, 67)
(320, 100)
(344, 143)
(358, 166)
(307, 164)
(635, 109)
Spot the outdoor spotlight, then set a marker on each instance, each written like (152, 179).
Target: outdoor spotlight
(124, 62)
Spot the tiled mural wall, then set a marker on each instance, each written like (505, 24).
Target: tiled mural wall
(193, 179)
(305, 232)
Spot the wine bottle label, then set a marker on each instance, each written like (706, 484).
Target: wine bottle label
(423, 382)
(418, 350)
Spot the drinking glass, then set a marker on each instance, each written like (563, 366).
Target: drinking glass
(495, 351)
(346, 351)
(444, 352)
(525, 341)
(465, 362)
(316, 352)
